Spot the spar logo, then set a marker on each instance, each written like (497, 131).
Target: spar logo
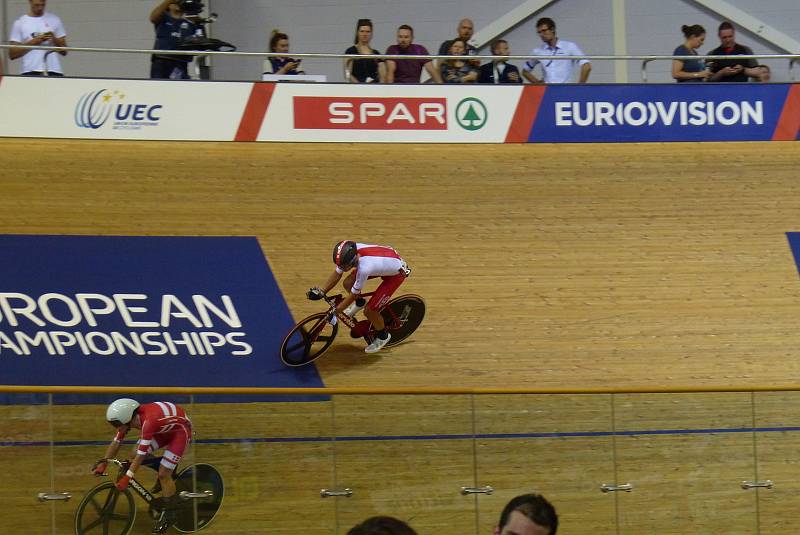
(98, 108)
(682, 113)
(471, 114)
(370, 113)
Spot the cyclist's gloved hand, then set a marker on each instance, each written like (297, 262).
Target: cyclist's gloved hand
(122, 484)
(99, 467)
(315, 294)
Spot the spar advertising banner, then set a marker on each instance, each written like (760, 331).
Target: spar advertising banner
(390, 113)
(142, 311)
(676, 112)
(121, 109)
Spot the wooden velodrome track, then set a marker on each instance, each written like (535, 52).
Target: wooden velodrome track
(575, 266)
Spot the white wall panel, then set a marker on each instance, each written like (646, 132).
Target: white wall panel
(327, 26)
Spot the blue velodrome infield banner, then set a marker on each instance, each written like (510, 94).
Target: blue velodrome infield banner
(141, 311)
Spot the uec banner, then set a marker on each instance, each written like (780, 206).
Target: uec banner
(141, 311)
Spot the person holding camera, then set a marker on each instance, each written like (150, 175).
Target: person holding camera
(279, 43)
(172, 28)
(38, 28)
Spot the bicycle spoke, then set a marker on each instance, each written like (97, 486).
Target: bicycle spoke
(94, 524)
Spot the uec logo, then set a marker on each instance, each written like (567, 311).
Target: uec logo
(94, 108)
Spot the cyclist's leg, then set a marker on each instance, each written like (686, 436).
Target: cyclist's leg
(373, 309)
(168, 502)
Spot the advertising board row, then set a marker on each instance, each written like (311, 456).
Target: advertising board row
(303, 112)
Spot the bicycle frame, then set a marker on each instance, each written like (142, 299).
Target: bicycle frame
(133, 483)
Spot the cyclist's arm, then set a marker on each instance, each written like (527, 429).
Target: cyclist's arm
(331, 282)
(136, 463)
(112, 449)
(349, 298)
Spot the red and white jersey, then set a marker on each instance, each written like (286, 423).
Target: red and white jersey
(161, 422)
(375, 261)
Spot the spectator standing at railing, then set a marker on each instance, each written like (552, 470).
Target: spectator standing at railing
(528, 514)
(690, 70)
(555, 71)
(458, 71)
(38, 27)
(499, 71)
(171, 29)
(408, 71)
(732, 70)
(364, 71)
(279, 43)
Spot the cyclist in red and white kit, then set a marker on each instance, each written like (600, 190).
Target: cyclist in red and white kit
(163, 425)
(368, 261)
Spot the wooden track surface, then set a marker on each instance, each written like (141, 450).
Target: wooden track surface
(579, 265)
(550, 266)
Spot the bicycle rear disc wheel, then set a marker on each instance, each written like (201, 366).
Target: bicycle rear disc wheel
(105, 511)
(308, 340)
(402, 316)
(197, 513)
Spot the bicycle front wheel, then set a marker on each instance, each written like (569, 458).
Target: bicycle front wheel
(402, 316)
(105, 511)
(308, 340)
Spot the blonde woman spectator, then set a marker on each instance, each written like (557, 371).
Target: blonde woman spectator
(690, 70)
(279, 43)
(458, 71)
(364, 71)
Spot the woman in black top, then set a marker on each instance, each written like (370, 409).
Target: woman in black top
(363, 71)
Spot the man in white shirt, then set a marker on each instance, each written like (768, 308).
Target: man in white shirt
(38, 28)
(555, 71)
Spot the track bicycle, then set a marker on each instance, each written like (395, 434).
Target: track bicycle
(313, 335)
(106, 510)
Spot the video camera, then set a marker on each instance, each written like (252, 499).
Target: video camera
(191, 7)
(200, 41)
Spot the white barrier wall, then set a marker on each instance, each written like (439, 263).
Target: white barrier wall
(266, 111)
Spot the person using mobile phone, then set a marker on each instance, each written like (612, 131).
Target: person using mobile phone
(38, 27)
(279, 43)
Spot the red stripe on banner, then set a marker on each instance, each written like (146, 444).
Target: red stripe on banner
(789, 122)
(527, 108)
(254, 111)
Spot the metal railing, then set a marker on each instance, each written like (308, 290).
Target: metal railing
(644, 59)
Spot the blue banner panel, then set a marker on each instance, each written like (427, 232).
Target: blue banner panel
(667, 112)
(794, 245)
(142, 311)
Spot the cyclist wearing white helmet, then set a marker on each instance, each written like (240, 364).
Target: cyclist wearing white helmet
(369, 261)
(163, 425)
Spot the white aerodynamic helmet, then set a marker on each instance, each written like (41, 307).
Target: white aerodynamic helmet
(121, 411)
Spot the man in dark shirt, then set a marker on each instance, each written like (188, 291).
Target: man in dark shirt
(171, 28)
(731, 70)
(499, 71)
